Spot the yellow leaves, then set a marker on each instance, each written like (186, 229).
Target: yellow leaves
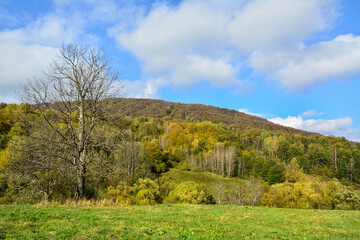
(147, 191)
(267, 200)
(188, 192)
(307, 192)
(4, 157)
(332, 187)
(121, 194)
(195, 143)
(293, 172)
(61, 125)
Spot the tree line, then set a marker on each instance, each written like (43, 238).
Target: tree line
(132, 155)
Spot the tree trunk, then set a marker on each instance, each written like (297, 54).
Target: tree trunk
(46, 198)
(80, 172)
(81, 164)
(335, 159)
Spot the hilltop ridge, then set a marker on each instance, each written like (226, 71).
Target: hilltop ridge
(154, 108)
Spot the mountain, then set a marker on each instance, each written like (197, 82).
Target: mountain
(135, 107)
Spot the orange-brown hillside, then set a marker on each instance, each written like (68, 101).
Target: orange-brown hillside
(135, 107)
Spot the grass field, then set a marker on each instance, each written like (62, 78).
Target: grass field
(175, 222)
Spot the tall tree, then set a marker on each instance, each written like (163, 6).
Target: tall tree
(68, 96)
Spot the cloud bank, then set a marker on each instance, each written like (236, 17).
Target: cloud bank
(336, 127)
(306, 66)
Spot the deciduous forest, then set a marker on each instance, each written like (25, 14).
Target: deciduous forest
(148, 160)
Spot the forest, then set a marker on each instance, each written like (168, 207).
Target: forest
(135, 159)
(73, 138)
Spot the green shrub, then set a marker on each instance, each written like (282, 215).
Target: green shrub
(147, 191)
(346, 200)
(188, 192)
(121, 194)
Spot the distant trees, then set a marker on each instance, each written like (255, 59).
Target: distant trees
(222, 160)
(301, 190)
(127, 159)
(67, 99)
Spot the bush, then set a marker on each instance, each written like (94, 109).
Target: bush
(147, 191)
(188, 192)
(346, 200)
(144, 191)
(182, 166)
(121, 194)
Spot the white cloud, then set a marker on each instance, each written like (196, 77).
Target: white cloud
(245, 110)
(341, 127)
(182, 45)
(140, 89)
(305, 66)
(20, 63)
(209, 41)
(195, 41)
(264, 24)
(50, 30)
(311, 113)
(27, 51)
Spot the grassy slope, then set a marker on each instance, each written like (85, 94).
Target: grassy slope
(175, 222)
(202, 178)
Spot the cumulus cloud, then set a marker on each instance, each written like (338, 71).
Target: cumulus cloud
(210, 41)
(183, 44)
(341, 127)
(305, 66)
(263, 24)
(27, 51)
(140, 89)
(19, 63)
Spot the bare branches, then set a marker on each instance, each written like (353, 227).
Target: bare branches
(68, 96)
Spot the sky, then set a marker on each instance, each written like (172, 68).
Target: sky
(293, 62)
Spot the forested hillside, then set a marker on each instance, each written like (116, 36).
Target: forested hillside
(151, 151)
(135, 107)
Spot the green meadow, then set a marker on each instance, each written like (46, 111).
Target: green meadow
(174, 222)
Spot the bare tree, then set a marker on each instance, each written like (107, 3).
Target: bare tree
(219, 190)
(241, 166)
(334, 158)
(230, 154)
(255, 190)
(130, 154)
(39, 168)
(351, 171)
(68, 97)
(222, 160)
(238, 194)
(217, 160)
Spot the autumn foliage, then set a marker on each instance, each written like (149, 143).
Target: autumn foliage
(135, 158)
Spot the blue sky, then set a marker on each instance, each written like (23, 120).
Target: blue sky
(294, 62)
